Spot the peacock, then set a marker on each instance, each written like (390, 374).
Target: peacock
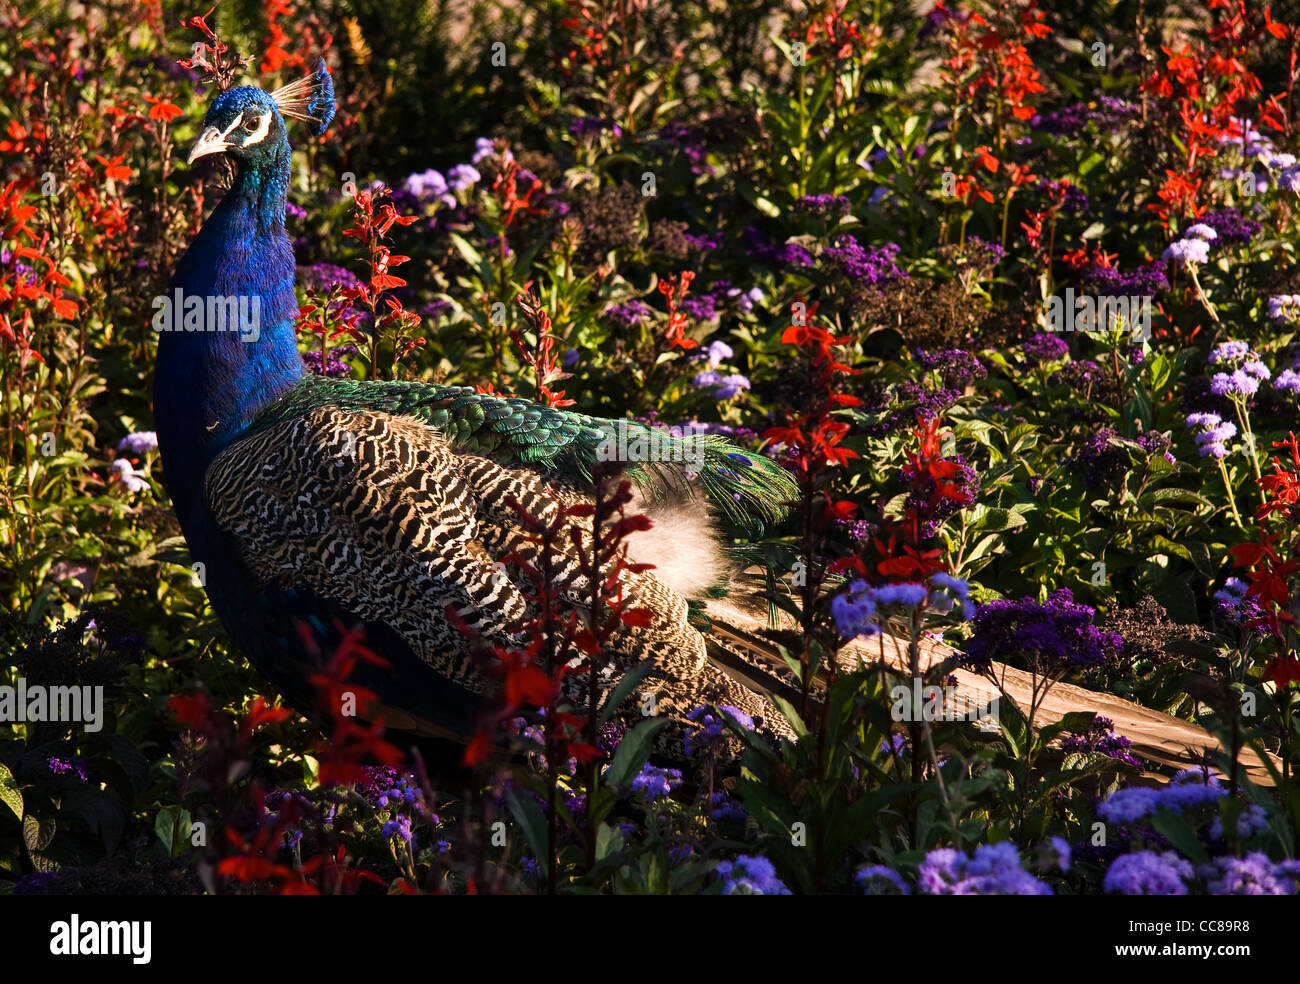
(328, 503)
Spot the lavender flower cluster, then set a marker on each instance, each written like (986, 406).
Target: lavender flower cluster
(1059, 632)
(1232, 607)
(1245, 370)
(1212, 434)
(1100, 738)
(856, 610)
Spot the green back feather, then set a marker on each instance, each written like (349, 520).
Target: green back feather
(557, 441)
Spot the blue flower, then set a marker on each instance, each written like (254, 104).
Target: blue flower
(717, 353)
(138, 443)
(749, 875)
(907, 594)
(876, 879)
(1187, 251)
(653, 782)
(132, 480)
(463, 176)
(426, 184)
(1148, 873)
(994, 869)
(854, 612)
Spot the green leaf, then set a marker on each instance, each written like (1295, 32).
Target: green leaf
(1179, 832)
(9, 791)
(528, 814)
(626, 684)
(633, 751)
(37, 834)
(791, 715)
(1090, 162)
(609, 840)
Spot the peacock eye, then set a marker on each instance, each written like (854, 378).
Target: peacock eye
(251, 123)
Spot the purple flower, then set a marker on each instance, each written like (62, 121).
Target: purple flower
(463, 176)
(1284, 308)
(1187, 251)
(749, 875)
(724, 808)
(588, 128)
(1148, 873)
(994, 869)
(1236, 383)
(1100, 737)
(945, 591)
(400, 825)
(829, 205)
(132, 480)
(1251, 821)
(1228, 352)
(956, 367)
(427, 184)
(854, 612)
(876, 879)
(334, 366)
(1200, 231)
(324, 276)
(652, 782)
(717, 353)
(731, 386)
(709, 735)
(763, 249)
(1103, 461)
(484, 147)
(1231, 226)
(1109, 114)
(1130, 805)
(1109, 282)
(1058, 631)
(629, 314)
(907, 594)
(862, 266)
(1044, 347)
(1056, 853)
(139, 443)
(62, 767)
(1289, 380)
(1188, 789)
(1255, 874)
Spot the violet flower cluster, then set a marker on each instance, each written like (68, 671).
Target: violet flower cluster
(1100, 737)
(1058, 632)
(1244, 370)
(856, 610)
(1213, 433)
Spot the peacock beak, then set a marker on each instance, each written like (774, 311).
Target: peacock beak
(211, 141)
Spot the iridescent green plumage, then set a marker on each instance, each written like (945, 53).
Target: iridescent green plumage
(556, 441)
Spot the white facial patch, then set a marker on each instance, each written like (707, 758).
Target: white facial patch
(263, 128)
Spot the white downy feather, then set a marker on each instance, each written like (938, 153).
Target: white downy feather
(682, 544)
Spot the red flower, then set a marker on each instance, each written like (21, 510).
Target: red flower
(115, 169)
(1283, 671)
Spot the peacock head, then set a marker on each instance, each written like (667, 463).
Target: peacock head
(248, 123)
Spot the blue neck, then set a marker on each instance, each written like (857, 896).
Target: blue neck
(209, 385)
